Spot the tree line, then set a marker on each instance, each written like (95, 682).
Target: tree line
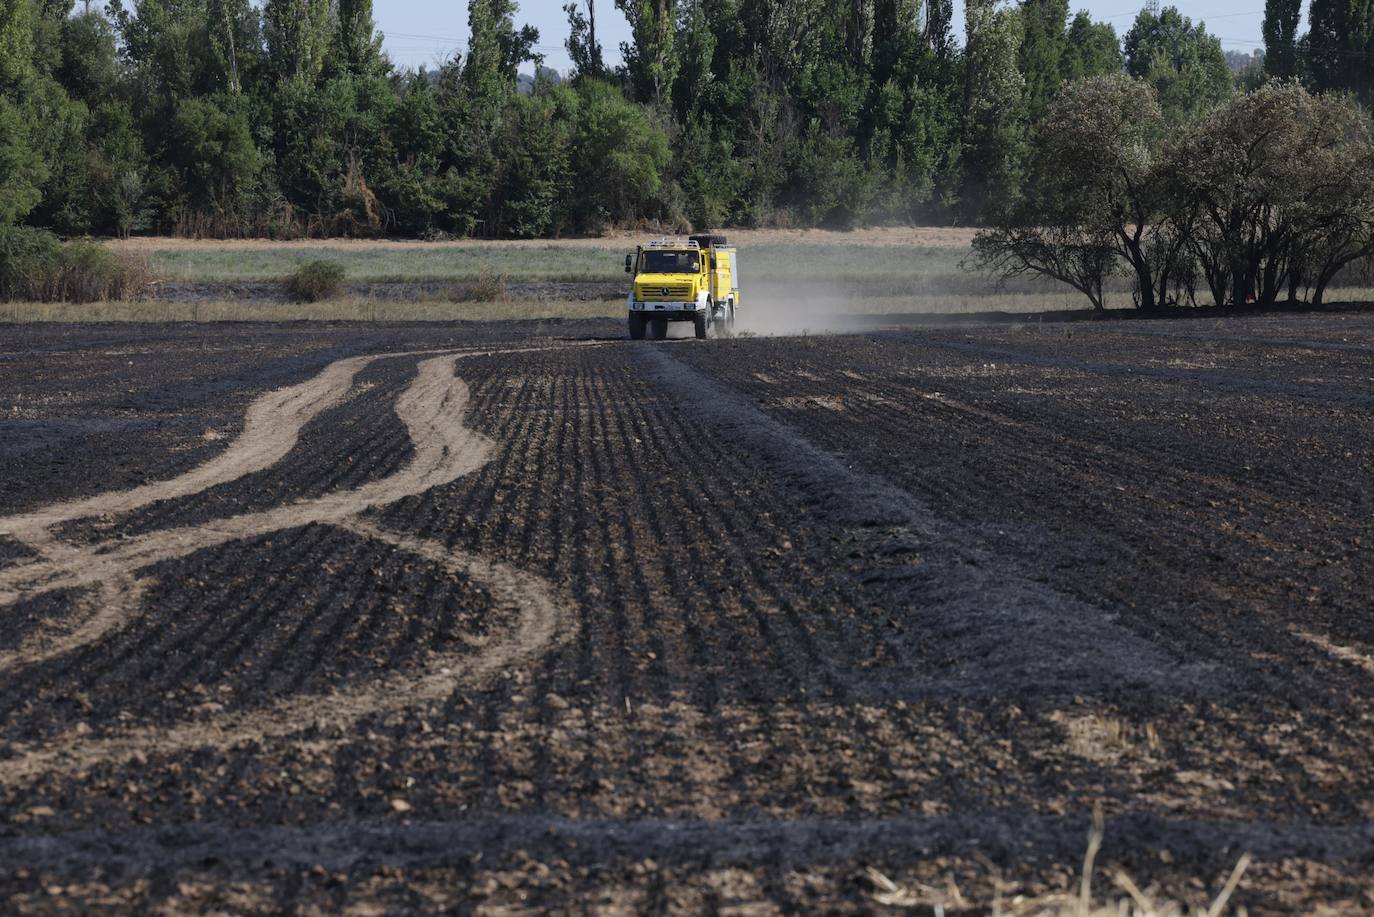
(1267, 197)
(226, 118)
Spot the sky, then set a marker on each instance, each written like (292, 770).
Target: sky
(423, 32)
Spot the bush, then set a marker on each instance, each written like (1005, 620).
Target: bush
(316, 280)
(489, 287)
(36, 266)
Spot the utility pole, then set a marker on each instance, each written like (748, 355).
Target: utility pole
(591, 25)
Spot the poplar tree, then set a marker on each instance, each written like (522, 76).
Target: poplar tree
(1092, 49)
(359, 43)
(583, 49)
(1340, 42)
(1281, 37)
(1042, 52)
(651, 59)
(994, 115)
(495, 48)
(1181, 60)
(297, 38)
(16, 39)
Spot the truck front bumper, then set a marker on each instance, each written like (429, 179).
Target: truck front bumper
(667, 307)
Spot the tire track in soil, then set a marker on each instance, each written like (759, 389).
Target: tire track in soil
(474, 532)
(338, 448)
(432, 408)
(1029, 437)
(1000, 837)
(1033, 638)
(1243, 652)
(271, 430)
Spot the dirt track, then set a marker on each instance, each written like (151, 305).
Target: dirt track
(443, 617)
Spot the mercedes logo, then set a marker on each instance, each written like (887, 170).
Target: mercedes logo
(664, 291)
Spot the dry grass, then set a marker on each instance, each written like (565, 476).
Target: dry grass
(1105, 738)
(904, 236)
(330, 310)
(1127, 900)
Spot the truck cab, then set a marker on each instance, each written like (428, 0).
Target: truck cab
(682, 280)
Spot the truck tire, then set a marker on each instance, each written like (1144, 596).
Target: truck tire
(700, 323)
(708, 240)
(636, 327)
(658, 328)
(726, 326)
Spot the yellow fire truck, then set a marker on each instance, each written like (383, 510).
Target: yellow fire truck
(683, 280)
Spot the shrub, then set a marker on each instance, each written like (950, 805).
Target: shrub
(35, 265)
(93, 273)
(316, 280)
(489, 287)
(27, 258)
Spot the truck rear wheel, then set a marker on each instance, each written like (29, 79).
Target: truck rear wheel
(636, 327)
(658, 328)
(726, 325)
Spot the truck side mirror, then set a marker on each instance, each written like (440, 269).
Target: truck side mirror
(629, 264)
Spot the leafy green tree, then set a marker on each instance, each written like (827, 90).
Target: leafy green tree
(697, 41)
(651, 59)
(210, 147)
(1095, 198)
(1340, 43)
(496, 49)
(477, 100)
(412, 185)
(16, 40)
(829, 184)
(359, 45)
(908, 132)
(583, 48)
(711, 178)
(939, 31)
(298, 37)
(118, 168)
(537, 176)
(22, 170)
(1287, 206)
(49, 24)
(1280, 29)
(1092, 49)
(619, 154)
(222, 31)
(1182, 61)
(994, 116)
(89, 68)
(1043, 50)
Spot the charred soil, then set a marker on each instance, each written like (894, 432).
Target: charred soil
(496, 616)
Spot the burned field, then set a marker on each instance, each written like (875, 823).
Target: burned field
(491, 616)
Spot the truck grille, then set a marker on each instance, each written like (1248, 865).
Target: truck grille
(668, 292)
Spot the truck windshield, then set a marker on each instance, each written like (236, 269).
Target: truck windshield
(670, 263)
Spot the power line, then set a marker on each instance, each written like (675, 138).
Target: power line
(1301, 48)
(1114, 16)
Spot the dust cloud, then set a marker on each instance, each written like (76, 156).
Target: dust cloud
(779, 310)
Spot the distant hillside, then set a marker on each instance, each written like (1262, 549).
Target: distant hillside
(524, 82)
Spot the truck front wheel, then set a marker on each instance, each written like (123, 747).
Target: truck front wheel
(700, 321)
(636, 327)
